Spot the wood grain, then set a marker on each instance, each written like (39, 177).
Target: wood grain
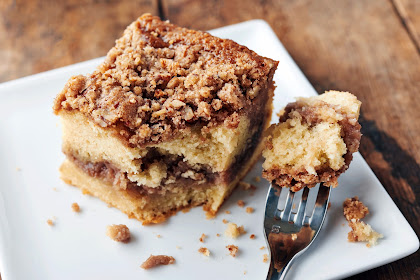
(40, 35)
(357, 46)
(360, 46)
(409, 12)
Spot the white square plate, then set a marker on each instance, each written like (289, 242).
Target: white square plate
(77, 247)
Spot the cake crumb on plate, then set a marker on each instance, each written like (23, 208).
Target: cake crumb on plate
(75, 207)
(360, 231)
(241, 203)
(354, 209)
(50, 222)
(119, 233)
(234, 231)
(204, 251)
(249, 210)
(233, 250)
(158, 260)
(203, 236)
(252, 236)
(265, 258)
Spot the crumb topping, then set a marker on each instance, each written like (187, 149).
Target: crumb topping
(233, 231)
(160, 78)
(158, 260)
(233, 250)
(204, 251)
(119, 233)
(354, 209)
(75, 207)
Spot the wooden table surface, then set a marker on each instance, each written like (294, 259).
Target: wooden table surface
(370, 48)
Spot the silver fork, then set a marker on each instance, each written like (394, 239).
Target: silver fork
(288, 231)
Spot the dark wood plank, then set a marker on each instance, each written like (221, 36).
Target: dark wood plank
(357, 46)
(39, 35)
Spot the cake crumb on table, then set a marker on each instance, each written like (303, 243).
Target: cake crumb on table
(354, 209)
(204, 251)
(262, 247)
(50, 222)
(234, 231)
(158, 260)
(265, 258)
(252, 236)
(158, 236)
(203, 236)
(225, 221)
(227, 212)
(249, 210)
(217, 234)
(75, 207)
(119, 233)
(233, 250)
(241, 203)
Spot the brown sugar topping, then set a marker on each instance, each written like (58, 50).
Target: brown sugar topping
(119, 233)
(160, 78)
(158, 260)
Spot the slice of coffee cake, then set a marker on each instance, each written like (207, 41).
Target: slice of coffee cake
(171, 119)
(314, 141)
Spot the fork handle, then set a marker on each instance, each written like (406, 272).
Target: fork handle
(274, 274)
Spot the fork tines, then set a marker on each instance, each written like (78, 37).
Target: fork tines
(295, 206)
